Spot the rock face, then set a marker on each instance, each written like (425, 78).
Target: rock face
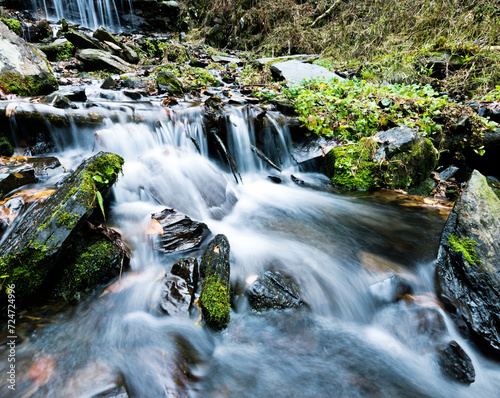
(23, 70)
(295, 71)
(102, 60)
(180, 233)
(30, 253)
(215, 293)
(456, 364)
(468, 263)
(274, 289)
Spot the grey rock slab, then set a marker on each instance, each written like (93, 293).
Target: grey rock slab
(295, 71)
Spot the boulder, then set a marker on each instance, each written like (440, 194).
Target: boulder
(390, 289)
(227, 59)
(180, 233)
(14, 175)
(468, 263)
(456, 364)
(23, 70)
(35, 244)
(397, 139)
(168, 83)
(274, 289)
(296, 71)
(59, 49)
(102, 60)
(297, 57)
(118, 48)
(82, 41)
(215, 291)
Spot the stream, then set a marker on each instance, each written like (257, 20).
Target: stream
(339, 246)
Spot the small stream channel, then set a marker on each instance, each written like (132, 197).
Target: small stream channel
(339, 246)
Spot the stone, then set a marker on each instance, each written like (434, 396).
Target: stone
(13, 176)
(32, 251)
(298, 57)
(59, 101)
(397, 139)
(456, 364)
(311, 148)
(187, 269)
(180, 233)
(274, 289)
(296, 71)
(109, 83)
(448, 173)
(82, 41)
(23, 69)
(215, 291)
(168, 83)
(175, 296)
(390, 289)
(102, 60)
(226, 59)
(468, 263)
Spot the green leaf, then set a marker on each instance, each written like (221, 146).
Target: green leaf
(109, 172)
(101, 203)
(98, 178)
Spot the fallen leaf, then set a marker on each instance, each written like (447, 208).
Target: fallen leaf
(155, 228)
(10, 109)
(41, 370)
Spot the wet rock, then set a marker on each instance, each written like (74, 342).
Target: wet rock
(397, 139)
(274, 290)
(296, 71)
(187, 269)
(118, 48)
(215, 292)
(39, 31)
(132, 94)
(468, 263)
(180, 233)
(77, 94)
(33, 249)
(175, 296)
(310, 150)
(456, 364)
(59, 101)
(448, 173)
(297, 180)
(275, 179)
(23, 70)
(14, 175)
(6, 148)
(54, 50)
(102, 60)
(390, 289)
(109, 83)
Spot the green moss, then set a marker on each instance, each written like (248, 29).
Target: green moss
(466, 246)
(174, 52)
(67, 219)
(91, 267)
(214, 302)
(13, 24)
(26, 85)
(351, 166)
(6, 148)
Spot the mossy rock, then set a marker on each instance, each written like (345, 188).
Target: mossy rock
(215, 290)
(13, 24)
(168, 82)
(6, 148)
(351, 166)
(58, 50)
(31, 251)
(28, 85)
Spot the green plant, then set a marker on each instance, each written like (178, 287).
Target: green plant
(465, 246)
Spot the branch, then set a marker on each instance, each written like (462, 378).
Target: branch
(326, 14)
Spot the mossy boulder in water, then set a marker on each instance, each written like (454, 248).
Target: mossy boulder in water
(468, 263)
(35, 244)
(215, 291)
(168, 83)
(23, 70)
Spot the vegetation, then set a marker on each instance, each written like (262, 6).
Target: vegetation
(13, 24)
(214, 301)
(466, 246)
(26, 85)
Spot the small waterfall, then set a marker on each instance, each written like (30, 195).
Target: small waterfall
(88, 13)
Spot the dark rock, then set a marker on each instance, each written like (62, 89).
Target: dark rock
(109, 83)
(274, 289)
(54, 51)
(456, 364)
(297, 180)
(134, 83)
(118, 48)
(187, 269)
(13, 176)
(275, 179)
(59, 101)
(23, 69)
(296, 71)
(397, 139)
(40, 31)
(102, 60)
(180, 233)
(311, 149)
(6, 148)
(132, 94)
(391, 289)
(215, 292)
(78, 94)
(176, 296)
(263, 156)
(36, 243)
(468, 262)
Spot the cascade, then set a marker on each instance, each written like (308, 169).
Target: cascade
(346, 343)
(88, 13)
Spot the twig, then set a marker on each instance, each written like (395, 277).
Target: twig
(326, 14)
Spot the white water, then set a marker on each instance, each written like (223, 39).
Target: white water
(88, 13)
(346, 346)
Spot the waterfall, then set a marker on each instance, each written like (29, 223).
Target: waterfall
(88, 13)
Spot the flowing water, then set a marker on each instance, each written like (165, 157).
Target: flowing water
(346, 344)
(88, 13)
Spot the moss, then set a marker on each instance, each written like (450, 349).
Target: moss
(174, 53)
(466, 246)
(27, 269)
(214, 301)
(13, 24)
(6, 148)
(92, 266)
(410, 169)
(67, 219)
(26, 85)
(351, 166)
